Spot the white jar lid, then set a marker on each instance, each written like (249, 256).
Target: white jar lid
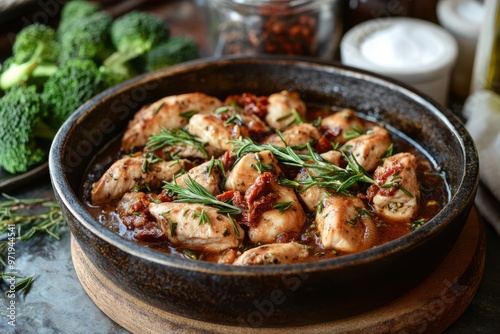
(461, 17)
(408, 49)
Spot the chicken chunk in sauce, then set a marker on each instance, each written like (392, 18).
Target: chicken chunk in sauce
(285, 253)
(345, 224)
(369, 149)
(196, 226)
(396, 193)
(169, 112)
(131, 172)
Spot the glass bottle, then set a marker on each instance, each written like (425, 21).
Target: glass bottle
(486, 72)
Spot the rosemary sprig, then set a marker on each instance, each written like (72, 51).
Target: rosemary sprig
(17, 225)
(188, 114)
(353, 132)
(234, 119)
(159, 108)
(193, 255)
(260, 166)
(203, 217)
(196, 193)
(23, 283)
(48, 221)
(296, 118)
(235, 227)
(328, 174)
(282, 206)
(172, 137)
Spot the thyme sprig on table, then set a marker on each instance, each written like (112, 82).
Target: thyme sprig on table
(28, 225)
(173, 137)
(194, 192)
(18, 225)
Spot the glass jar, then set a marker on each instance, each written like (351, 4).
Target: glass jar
(297, 27)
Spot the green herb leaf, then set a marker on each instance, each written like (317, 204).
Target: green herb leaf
(188, 114)
(196, 193)
(204, 219)
(282, 206)
(173, 137)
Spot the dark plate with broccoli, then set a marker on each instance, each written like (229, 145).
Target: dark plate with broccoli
(53, 71)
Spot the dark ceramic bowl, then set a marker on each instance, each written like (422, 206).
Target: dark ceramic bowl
(270, 295)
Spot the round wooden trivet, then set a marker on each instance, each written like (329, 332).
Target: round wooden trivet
(430, 307)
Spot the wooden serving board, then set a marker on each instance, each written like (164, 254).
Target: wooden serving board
(431, 307)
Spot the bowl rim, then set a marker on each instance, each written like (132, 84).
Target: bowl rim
(465, 191)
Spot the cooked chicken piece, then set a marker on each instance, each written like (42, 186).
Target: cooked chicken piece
(214, 131)
(196, 226)
(345, 224)
(285, 253)
(253, 127)
(272, 223)
(248, 168)
(281, 109)
(296, 136)
(368, 149)
(393, 203)
(200, 174)
(127, 173)
(341, 123)
(332, 156)
(165, 113)
(313, 196)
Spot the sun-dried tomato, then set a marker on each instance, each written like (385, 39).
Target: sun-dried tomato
(258, 198)
(227, 160)
(149, 232)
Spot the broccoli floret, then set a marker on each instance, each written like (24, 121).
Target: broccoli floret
(74, 11)
(74, 83)
(133, 35)
(34, 45)
(88, 39)
(21, 112)
(176, 50)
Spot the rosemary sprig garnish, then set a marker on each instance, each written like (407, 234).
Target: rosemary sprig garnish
(48, 221)
(394, 183)
(204, 219)
(234, 119)
(149, 159)
(328, 174)
(159, 108)
(188, 114)
(354, 132)
(172, 137)
(193, 255)
(23, 283)
(282, 206)
(296, 118)
(260, 166)
(389, 152)
(196, 193)
(235, 227)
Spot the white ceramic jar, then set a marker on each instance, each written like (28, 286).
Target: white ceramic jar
(462, 18)
(417, 52)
